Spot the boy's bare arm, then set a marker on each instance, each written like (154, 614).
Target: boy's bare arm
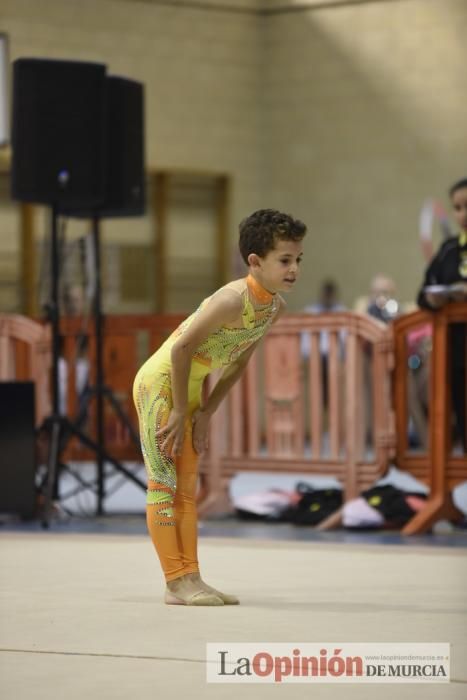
(234, 371)
(224, 307)
(230, 375)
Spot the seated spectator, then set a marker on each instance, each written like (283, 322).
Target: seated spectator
(381, 302)
(328, 302)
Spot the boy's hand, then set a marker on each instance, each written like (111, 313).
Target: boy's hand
(200, 430)
(174, 432)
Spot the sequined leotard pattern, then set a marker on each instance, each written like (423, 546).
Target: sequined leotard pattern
(153, 395)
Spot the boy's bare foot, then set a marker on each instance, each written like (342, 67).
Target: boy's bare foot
(185, 591)
(227, 598)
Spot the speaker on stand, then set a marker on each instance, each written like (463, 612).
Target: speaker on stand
(78, 145)
(125, 197)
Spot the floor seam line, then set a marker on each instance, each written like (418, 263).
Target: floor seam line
(101, 655)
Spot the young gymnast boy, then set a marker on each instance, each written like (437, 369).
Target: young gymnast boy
(223, 332)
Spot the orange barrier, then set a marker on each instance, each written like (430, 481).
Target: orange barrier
(438, 468)
(25, 355)
(128, 340)
(274, 386)
(275, 419)
(263, 424)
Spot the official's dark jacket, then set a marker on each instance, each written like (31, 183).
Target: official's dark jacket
(447, 267)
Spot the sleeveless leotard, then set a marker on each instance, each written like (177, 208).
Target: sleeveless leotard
(152, 390)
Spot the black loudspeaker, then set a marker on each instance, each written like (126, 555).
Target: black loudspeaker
(124, 164)
(125, 137)
(17, 448)
(58, 132)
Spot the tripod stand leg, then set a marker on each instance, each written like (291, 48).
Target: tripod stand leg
(105, 456)
(122, 415)
(51, 471)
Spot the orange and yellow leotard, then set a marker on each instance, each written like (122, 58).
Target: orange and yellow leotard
(152, 385)
(171, 492)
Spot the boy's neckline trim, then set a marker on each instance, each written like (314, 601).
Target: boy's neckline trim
(257, 289)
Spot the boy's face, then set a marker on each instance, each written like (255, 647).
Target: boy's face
(459, 205)
(279, 269)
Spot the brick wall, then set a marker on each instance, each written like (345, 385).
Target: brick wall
(347, 115)
(365, 117)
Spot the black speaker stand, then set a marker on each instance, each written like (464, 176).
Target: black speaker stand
(61, 428)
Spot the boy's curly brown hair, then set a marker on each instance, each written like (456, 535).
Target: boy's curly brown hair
(459, 185)
(260, 231)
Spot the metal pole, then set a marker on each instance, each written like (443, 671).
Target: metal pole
(55, 314)
(52, 486)
(99, 369)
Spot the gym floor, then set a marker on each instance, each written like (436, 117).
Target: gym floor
(83, 614)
